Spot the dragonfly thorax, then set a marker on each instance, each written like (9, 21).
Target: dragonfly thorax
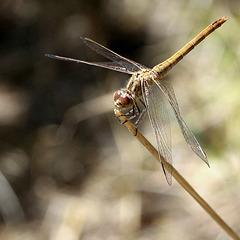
(126, 98)
(123, 99)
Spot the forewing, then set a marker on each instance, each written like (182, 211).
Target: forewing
(192, 142)
(109, 65)
(159, 119)
(109, 54)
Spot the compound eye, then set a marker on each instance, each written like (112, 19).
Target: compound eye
(125, 101)
(116, 95)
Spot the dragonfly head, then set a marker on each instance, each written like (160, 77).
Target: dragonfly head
(122, 99)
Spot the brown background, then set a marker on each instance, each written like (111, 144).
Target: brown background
(68, 169)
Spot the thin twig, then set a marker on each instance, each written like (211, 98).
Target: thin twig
(178, 177)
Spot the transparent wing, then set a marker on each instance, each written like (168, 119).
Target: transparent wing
(109, 54)
(109, 65)
(192, 142)
(119, 63)
(159, 119)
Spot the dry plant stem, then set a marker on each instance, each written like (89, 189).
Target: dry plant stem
(178, 176)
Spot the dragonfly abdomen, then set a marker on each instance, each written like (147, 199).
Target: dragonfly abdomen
(163, 68)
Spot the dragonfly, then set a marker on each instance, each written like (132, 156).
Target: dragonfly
(147, 87)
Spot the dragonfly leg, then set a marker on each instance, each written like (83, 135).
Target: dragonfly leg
(140, 118)
(130, 113)
(141, 115)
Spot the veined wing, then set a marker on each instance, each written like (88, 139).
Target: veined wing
(109, 65)
(192, 142)
(159, 119)
(109, 54)
(118, 63)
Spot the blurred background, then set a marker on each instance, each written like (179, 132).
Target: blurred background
(68, 168)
